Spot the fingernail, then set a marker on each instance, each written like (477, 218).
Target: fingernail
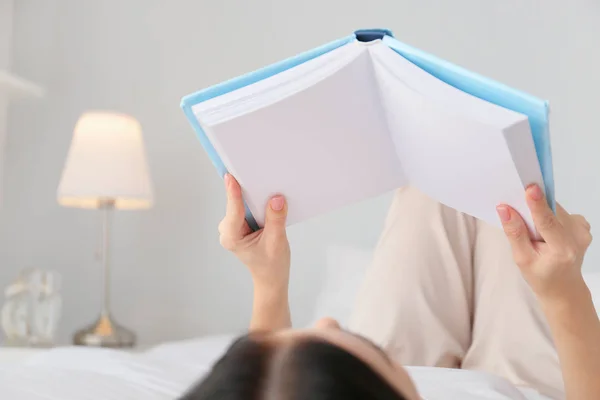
(503, 213)
(227, 179)
(535, 192)
(277, 203)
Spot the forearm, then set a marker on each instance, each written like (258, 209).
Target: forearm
(270, 308)
(576, 330)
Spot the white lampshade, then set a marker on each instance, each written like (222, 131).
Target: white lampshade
(106, 162)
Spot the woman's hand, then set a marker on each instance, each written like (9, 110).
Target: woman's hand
(553, 270)
(553, 267)
(266, 253)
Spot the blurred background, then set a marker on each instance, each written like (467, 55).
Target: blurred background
(170, 278)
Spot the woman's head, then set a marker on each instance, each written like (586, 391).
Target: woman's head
(322, 363)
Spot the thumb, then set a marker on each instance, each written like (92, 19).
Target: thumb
(275, 215)
(517, 234)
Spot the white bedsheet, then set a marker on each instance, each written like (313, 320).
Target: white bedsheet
(76, 373)
(11, 356)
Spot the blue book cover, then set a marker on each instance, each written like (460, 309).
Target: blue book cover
(471, 83)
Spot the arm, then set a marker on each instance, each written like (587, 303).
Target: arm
(270, 309)
(553, 270)
(266, 253)
(576, 330)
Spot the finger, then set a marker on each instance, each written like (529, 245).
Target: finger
(234, 222)
(516, 231)
(581, 221)
(581, 230)
(545, 221)
(561, 213)
(275, 216)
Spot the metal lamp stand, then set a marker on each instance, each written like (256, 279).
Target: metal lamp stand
(105, 332)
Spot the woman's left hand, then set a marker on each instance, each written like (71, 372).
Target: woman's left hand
(266, 252)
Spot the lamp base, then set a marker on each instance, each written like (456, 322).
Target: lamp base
(105, 332)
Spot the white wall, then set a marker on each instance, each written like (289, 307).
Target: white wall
(6, 14)
(171, 280)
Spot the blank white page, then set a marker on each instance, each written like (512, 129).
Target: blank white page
(460, 162)
(522, 149)
(323, 148)
(274, 88)
(452, 99)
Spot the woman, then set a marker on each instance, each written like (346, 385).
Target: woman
(443, 293)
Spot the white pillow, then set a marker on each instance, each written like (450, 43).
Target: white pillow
(344, 274)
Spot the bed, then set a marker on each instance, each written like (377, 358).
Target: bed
(78, 373)
(167, 370)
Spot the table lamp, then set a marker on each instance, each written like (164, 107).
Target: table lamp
(106, 169)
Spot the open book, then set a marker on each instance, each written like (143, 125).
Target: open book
(365, 115)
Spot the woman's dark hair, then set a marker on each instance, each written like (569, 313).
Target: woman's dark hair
(306, 369)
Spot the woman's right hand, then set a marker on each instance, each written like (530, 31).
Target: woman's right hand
(553, 267)
(266, 252)
(553, 270)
